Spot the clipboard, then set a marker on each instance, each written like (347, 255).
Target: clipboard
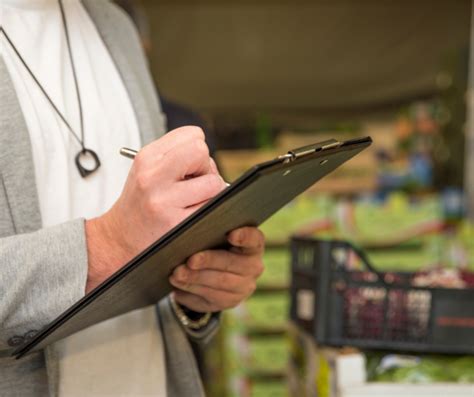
(249, 201)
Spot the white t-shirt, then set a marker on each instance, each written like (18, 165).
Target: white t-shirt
(35, 27)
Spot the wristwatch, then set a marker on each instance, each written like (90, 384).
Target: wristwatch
(185, 319)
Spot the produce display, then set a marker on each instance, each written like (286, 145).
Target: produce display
(255, 343)
(425, 311)
(277, 268)
(411, 232)
(319, 371)
(298, 213)
(398, 214)
(266, 354)
(266, 310)
(419, 369)
(254, 355)
(269, 389)
(401, 234)
(384, 203)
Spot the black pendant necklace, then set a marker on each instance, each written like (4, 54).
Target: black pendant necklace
(84, 154)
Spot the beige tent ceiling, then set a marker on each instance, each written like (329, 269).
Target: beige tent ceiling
(302, 54)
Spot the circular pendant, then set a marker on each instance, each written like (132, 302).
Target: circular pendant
(89, 157)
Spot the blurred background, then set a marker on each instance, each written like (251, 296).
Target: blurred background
(369, 287)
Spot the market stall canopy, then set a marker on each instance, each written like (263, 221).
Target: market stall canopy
(303, 54)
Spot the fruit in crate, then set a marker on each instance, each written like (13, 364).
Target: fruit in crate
(419, 369)
(444, 278)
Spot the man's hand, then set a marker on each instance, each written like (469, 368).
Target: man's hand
(215, 280)
(169, 179)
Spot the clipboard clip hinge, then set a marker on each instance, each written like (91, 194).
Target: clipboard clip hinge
(308, 150)
(286, 158)
(331, 145)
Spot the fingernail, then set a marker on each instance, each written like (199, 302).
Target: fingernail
(212, 166)
(181, 274)
(237, 237)
(197, 261)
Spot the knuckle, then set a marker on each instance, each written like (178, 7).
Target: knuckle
(192, 261)
(154, 207)
(259, 268)
(209, 296)
(261, 237)
(201, 148)
(142, 181)
(208, 183)
(234, 302)
(252, 287)
(188, 132)
(196, 131)
(215, 183)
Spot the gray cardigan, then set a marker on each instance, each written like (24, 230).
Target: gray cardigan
(43, 271)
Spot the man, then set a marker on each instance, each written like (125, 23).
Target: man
(74, 89)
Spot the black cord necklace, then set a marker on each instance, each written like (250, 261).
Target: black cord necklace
(84, 153)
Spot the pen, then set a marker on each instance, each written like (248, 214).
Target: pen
(130, 153)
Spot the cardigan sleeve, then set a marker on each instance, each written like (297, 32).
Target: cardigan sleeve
(42, 273)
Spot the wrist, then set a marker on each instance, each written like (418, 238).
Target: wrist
(192, 314)
(189, 318)
(105, 252)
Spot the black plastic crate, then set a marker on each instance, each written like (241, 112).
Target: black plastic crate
(374, 310)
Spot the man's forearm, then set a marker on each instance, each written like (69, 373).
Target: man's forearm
(105, 254)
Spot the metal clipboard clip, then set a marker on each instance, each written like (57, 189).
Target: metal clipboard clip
(308, 150)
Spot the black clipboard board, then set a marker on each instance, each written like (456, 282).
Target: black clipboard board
(249, 201)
